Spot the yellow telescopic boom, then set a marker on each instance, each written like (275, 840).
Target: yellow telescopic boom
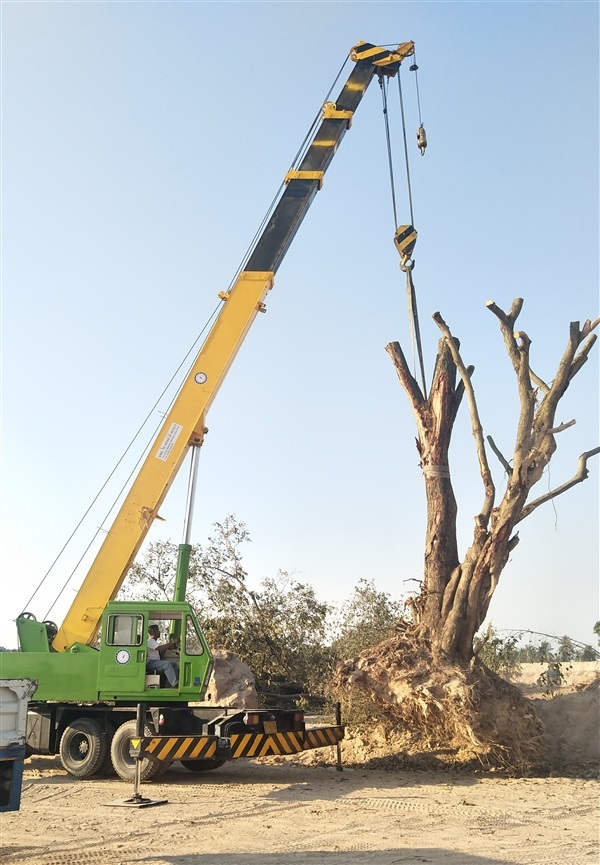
(184, 425)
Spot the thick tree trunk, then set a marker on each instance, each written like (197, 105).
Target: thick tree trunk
(442, 573)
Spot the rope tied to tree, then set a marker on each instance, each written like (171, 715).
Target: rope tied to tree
(436, 471)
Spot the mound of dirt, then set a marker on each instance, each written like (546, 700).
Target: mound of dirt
(418, 710)
(465, 712)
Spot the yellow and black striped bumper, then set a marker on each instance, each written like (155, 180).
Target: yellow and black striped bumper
(166, 749)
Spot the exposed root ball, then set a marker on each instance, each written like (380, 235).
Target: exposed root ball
(444, 706)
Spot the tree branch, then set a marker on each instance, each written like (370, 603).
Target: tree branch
(589, 326)
(460, 388)
(582, 357)
(409, 383)
(522, 456)
(569, 365)
(486, 475)
(507, 324)
(503, 460)
(578, 477)
(561, 427)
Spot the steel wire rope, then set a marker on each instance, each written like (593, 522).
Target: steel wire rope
(383, 83)
(114, 469)
(304, 146)
(414, 68)
(408, 267)
(383, 87)
(406, 159)
(100, 528)
(296, 160)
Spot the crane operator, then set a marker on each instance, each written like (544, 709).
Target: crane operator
(156, 663)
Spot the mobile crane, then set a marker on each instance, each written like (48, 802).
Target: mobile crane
(87, 696)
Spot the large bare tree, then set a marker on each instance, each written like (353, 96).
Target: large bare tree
(418, 671)
(456, 595)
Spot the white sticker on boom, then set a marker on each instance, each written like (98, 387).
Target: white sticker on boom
(168, 442)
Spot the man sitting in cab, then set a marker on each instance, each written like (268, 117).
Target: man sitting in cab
(156, 663)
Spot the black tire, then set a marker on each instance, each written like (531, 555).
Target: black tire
(202, 765)
(123, 763)
(106, 769)
(83, 747)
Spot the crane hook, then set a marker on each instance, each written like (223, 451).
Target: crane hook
(404, 241)
(421, 139)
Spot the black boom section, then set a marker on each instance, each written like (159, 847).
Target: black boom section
(299, 192)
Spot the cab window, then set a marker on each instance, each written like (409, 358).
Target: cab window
(193, 643)
(125, 630)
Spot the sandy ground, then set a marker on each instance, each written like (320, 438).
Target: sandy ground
(249, 813)
(273, 812)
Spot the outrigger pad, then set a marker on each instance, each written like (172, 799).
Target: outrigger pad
(136, 802)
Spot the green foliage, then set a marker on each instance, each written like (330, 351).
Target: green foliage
(529, 654)
(588, 653)
(552, 678)
(153, 578)
(367, 617)
(278, 629)
(281, 629)
(544, 652)
(500, 654)
(567, 650)
(505, 654)
(596, 630)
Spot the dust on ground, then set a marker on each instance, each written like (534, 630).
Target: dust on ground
(277, 811)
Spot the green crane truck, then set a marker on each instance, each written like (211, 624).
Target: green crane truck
(88, 691)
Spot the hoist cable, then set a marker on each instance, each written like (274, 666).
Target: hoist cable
(410, 202)
(414, 69)
(109, 477)
(309, 135)
(386, 121)
(406, 265)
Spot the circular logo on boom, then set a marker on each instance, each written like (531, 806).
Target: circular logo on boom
(200, 378)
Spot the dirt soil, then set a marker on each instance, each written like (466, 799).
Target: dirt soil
(276, 811)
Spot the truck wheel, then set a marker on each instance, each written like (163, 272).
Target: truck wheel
(106, 769)
(202, 765)
(124, 763)
(83, 747)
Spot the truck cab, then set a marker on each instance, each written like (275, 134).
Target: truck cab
(123, 663)
(114, 669)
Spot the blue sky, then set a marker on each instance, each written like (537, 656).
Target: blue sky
(141, 146)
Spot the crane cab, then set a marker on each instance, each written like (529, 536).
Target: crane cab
(123, 671)
(114, 669)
